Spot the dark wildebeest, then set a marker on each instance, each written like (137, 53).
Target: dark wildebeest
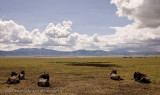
(43, 80)
(114, 75)
(13, 78)
(21, 76)
(141, 77)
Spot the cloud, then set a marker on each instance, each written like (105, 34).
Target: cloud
(144, 31)
(144, 12)
(141, 35)
(38, 38)
(58, 31)
(10, 32)
(14, 36)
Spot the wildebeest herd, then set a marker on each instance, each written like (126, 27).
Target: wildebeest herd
(140, 77)
(43, 80)
(15, 78)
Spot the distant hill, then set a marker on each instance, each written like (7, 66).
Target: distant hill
(36, 52)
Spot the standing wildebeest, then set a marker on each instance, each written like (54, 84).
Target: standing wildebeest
(114, 75)
(141, 77)
(21, 76)
(13, 78)
(43, 80)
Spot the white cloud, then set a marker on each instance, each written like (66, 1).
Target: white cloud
(38, 38)
(58, 31)
(146, 12)
(14, 36)
(10, 32)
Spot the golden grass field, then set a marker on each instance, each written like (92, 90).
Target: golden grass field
(69, 79)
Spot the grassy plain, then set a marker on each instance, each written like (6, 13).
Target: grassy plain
(77, 76)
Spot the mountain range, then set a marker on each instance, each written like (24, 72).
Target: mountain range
(41, 52)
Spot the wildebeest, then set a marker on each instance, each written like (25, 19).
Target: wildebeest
(43, 80)
(141, 77)
(21, 75)
(13, 79)
(114, 75)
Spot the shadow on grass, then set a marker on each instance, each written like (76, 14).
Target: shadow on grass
(95, 64)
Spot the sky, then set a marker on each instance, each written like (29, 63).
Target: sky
(67, 25)
(87, 16)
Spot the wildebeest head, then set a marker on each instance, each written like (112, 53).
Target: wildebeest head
(44, 76)
(13, 73)
(22, 72)
(114, 72)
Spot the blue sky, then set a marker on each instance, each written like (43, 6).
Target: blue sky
(88, 16)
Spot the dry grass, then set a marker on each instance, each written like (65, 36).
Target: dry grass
(89, 77)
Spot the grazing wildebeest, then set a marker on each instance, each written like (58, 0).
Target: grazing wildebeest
(43, 80)
(13, 79)
(141, 77)
(114, 75)
(21, 76)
